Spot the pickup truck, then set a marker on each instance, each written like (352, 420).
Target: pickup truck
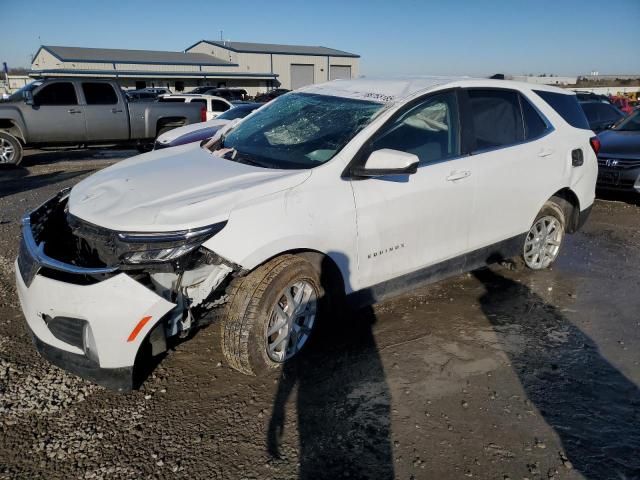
(83, 111)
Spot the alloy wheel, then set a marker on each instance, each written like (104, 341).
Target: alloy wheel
(291, 321)
(542, 243)
(7, 151)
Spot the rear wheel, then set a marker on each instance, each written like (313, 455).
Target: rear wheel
(10, 149)
(271, 314)
(543, 241)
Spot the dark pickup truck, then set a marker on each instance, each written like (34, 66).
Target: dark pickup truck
(82, 111)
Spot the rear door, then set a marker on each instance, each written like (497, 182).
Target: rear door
(514, 162)
(105, 112)
(56, 115)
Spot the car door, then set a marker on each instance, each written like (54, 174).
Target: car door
(409, 222)
(105, 112)
(56, 116)
(514, 162)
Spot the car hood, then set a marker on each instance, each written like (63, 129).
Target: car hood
(173, 189)
(171, 135)
(620, 144)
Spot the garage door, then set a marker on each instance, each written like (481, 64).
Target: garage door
(301, 75)
(340, 71)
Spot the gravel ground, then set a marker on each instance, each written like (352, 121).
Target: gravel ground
(497, 374)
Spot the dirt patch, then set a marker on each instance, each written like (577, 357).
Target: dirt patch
(494, 374)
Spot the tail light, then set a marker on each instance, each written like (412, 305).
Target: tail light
(203, 114)
(595, 144)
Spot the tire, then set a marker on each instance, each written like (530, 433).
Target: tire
(251, 311)
(11, 152)
(544, 238)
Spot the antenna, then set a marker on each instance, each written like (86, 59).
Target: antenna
(221, 35)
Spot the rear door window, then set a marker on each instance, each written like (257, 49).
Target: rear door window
(218, 106)
(567, 107)
(496, 118)
(99, 94)
(534, 125)
(59, 93)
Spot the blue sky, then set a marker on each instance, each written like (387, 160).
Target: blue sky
(394, 37)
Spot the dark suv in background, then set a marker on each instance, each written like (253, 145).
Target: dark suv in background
(601, 115)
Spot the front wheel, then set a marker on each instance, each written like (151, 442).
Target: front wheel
(543, 241)
(271, 314)
(10, 150)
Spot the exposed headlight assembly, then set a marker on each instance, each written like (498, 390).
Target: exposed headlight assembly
(144, 248)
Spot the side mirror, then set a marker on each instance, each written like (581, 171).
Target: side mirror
(387, 162)
(28, 97)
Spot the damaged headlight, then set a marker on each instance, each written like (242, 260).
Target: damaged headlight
(144, 248)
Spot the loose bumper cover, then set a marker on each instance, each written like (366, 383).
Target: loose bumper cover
(115, 316)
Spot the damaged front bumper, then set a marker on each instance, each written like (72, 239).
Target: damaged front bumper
(93, 319)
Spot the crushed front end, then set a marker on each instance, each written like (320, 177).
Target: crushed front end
(92, 296)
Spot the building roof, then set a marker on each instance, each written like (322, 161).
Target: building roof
(249, 47)
(113, 55)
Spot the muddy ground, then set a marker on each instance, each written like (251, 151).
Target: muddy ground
(497, 374)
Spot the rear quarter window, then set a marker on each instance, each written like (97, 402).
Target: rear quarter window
(567, 107)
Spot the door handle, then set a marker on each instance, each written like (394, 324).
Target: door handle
(116, 110)
(73, 110)
(545, 152)
(458, 175)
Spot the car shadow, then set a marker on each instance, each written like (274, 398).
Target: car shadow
(342, 402)
(632, 198)
(46, 157)
(17, 180)
(593, 407)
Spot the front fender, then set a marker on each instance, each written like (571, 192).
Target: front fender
(13, 115)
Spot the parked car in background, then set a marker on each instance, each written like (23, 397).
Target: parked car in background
(84, 111)
(138, 96)
(156, 90)
(214, 105)
(619, 155)
(228, 93)
(271, 94)
(591, 97)
(201, 90)
(202, 131)
(309, 202)
(623, 103)
(601, 115)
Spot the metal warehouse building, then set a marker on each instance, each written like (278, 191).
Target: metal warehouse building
(256, 67)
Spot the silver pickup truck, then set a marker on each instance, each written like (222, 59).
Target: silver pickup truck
(82, 111)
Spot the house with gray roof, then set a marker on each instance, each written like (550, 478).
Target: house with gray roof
(256, 67)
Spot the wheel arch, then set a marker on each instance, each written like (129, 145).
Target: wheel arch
(12, 127)
(332, 277)
(570, 204)
(169, 122)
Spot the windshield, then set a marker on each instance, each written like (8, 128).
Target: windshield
(298, 130)
(629, 124)
(17, 95)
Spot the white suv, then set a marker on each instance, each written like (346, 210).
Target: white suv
(351, 190)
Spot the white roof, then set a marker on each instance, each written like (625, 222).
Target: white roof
(394, 90)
